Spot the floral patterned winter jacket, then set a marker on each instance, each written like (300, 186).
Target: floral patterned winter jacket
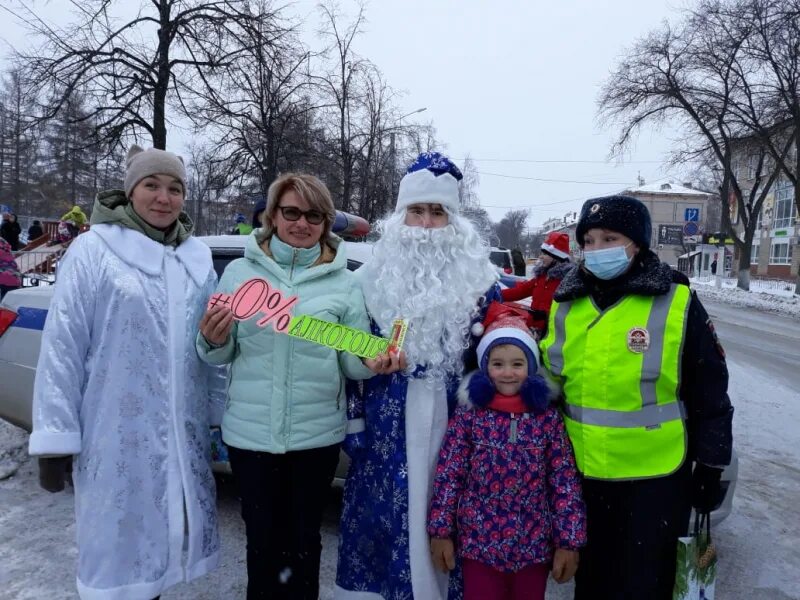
(506, 486)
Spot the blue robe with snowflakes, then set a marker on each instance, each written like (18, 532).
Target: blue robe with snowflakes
(374, 556)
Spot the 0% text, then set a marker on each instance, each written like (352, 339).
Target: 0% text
(257, 296)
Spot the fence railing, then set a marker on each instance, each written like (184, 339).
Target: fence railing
(39, 266)
(757, 284)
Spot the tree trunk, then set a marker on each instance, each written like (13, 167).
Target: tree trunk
(743, 278)
(162, 81)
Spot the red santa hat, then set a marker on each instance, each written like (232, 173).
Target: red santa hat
(557, 244)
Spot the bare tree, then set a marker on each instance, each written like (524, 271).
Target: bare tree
(206, 183)
(257, 102)
(691, 74)
(468, 186)
(511, 228)
(480, 218)
(341, 86)
(133, 71)
(374, 158)
(772, 110)
(19, 143)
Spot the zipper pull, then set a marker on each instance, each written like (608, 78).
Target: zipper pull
(294, 260)
(513, 429)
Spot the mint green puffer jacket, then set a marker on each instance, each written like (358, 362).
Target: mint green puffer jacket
(287, 394)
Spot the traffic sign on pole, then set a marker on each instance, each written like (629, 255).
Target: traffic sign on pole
(691, 214)
(690, 228)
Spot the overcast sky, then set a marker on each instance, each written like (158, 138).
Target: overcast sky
(512, 84)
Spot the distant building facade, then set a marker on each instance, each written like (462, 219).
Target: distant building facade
(681, 215)
(775, 253)
(671, 207)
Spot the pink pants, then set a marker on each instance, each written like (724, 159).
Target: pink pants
(482, 582)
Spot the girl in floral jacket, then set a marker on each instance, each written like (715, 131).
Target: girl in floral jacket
(507, 492)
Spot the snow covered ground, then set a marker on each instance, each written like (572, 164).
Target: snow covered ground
(766, 296)
(759, 553)
(758, 544)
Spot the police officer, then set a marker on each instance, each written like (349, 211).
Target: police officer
(645, 401)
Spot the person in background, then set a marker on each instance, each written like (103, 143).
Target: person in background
(35, 231)
(507, 494)
(518, 262)
(74, 219)
(76, 216)
(285, 416)
(120, 389)
(10, 230)
(551, 266)
(10, 278)
(431, 268)
(645, 385)
(258, 214)
(241, 227)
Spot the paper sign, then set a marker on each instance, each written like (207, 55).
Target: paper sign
(256, 296)
(343, 338)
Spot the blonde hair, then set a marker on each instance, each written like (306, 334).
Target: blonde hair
(310, 189)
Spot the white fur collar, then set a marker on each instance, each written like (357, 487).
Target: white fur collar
(142, 253)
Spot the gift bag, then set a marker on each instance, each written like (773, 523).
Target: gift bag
(219, 451)
(696, 570)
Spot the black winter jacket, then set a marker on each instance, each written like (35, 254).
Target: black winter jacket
(704, 373)
(10, 232)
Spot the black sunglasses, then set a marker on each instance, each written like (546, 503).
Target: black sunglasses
(292, 213)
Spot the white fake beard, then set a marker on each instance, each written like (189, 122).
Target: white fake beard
(434, 279)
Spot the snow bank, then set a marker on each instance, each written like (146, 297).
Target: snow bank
(776, 301)
(13, 449)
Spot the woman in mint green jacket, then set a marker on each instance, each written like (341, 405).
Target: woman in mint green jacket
(285, 413)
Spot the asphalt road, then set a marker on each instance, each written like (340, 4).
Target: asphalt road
(766, 342)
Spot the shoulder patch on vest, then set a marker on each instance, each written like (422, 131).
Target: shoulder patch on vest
(638, 340)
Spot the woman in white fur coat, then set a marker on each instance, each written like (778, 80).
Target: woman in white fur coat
(121, 393)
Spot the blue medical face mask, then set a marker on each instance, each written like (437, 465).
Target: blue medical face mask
(607, 263)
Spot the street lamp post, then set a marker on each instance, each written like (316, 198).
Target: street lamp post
(392, 146)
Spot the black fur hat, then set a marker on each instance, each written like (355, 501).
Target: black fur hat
(622, 214)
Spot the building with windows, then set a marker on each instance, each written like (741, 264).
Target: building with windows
(671, 207)
(775, 252)
(680, 214)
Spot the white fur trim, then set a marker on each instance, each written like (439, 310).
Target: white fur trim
(423, 187)
(507, 332)
(142, 253)
(554, 251)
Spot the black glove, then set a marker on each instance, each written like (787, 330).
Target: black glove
(54, 472)
(706, 490)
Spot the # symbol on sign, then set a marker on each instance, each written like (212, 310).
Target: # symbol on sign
(223, 299)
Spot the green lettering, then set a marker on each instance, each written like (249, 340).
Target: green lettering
(318, 337)
(343, 343)
(296, 326)
(375, 346)
(335, 330)
(358, 339)
(311, 332)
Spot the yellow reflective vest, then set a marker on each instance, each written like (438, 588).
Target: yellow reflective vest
(620, 373)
